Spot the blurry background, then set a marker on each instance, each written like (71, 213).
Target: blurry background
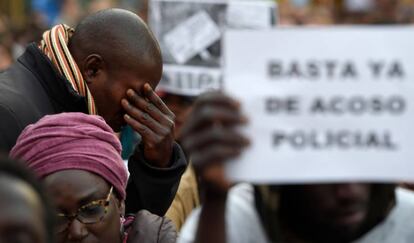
(23, 21)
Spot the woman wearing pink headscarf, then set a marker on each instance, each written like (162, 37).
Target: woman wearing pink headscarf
(77, 156)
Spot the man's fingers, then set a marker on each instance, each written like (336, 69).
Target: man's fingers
(210, 115)
(157, 101)
(214, 154)
(214, 136)
(144, 118)
(149, 108)
(147, 134)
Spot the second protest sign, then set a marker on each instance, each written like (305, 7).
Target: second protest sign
(324, 104)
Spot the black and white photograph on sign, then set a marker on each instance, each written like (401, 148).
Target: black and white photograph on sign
(190, 33)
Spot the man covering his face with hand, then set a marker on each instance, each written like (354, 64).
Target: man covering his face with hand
(108, 66)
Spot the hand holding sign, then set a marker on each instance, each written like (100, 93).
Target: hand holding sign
(152, 119)
(210, 138)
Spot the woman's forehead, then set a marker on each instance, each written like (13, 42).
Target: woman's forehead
(76, 186)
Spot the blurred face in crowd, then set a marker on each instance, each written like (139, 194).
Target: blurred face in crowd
(335, 212)
(180, 105)
(21, 213)
(5, 58)
(87, 209)
(109, 86)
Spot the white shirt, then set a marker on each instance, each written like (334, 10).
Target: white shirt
(242, 221)
(398, 227)
(244, 226)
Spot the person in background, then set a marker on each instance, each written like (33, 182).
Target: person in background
(187, 197)
(6, 58)
(102, 69)
(318, 213)
(48, 9)
(70, 12)
(25, 212)
(77, 157)
(6, 42)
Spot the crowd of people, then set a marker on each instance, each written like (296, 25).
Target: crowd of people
(93, 152)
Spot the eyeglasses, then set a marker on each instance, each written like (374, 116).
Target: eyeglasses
(90, 213)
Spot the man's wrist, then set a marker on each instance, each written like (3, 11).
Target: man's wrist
(162, 162)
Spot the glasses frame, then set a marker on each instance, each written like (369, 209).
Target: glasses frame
(103, 202)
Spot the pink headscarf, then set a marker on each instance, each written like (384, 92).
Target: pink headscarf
(70, 141)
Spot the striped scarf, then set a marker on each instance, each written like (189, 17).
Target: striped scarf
(54, 46)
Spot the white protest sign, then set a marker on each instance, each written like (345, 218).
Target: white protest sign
(324, 104)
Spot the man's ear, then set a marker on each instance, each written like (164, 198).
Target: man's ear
(93, 68)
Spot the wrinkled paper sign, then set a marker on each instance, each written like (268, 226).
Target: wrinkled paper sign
(190, 34)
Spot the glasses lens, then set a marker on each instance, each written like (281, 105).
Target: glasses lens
(92, 213)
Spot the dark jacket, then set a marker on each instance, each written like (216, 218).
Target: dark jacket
(32, 88)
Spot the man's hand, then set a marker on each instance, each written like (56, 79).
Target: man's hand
(210, 137)
(151, 118)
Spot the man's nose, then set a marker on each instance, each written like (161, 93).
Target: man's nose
(77, 231)
(350, 190)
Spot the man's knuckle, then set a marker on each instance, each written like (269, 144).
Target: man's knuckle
(145, 116)
(170, 125)
(150, 107)
(143, 129)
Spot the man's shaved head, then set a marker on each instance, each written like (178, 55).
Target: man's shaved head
(119, 36)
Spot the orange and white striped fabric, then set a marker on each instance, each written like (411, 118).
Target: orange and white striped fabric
(55, 46)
